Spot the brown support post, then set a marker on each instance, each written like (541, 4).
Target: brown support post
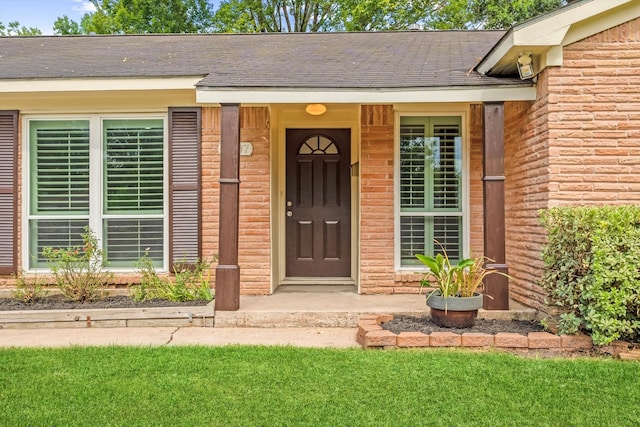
(496, 285)
(228, 270)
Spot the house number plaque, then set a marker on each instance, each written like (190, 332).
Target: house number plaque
(246, 149)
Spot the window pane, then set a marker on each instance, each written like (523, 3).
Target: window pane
(66, 233)
(429, 235)
(134, 166)
(59, 167)
(413, 238)
(413, 149)
(430, 183)
(126, 241)
(318, 145)
(447, 167)
(447, 231)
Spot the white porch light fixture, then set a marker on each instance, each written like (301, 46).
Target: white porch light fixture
(316, 109)
(525, 65)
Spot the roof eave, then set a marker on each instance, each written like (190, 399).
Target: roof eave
(522, 92)
(84, 84)
(545, 35)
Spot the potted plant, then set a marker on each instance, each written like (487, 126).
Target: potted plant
(456, 298)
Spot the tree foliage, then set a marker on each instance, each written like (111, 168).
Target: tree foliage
(14, 28)
(248, 16)
(66, 26)
(374, 15)
(141, 16)
(487, 14)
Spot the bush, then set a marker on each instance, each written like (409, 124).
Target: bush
(78, 271)
(29, 289)
(592, 270)
(190, 282)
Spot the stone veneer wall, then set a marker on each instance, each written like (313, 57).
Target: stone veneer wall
(255, 202)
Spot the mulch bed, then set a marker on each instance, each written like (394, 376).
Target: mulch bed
(491, 327)
(59, 302)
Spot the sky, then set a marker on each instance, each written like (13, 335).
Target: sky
(42, 13)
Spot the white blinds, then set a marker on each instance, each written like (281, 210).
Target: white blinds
(134, 190)
(430, 186)
(134, 166)
(106, 173)
(60, 167)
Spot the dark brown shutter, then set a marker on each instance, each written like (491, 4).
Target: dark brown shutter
(185, 245)
(8, 192)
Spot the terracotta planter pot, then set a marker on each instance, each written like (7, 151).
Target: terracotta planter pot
(454, 312)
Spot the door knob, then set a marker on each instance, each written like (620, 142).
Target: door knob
(289, 214)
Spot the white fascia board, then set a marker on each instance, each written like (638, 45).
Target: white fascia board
(304, 96)
(550, 31)
(98, 84)
(609, 20)
(501, 49)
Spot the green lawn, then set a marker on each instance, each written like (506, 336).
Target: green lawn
(258, 386)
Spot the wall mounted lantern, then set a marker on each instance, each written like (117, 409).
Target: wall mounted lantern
(525, 65)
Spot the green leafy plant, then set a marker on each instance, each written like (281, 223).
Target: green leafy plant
(592, 270)
(78, 271)
(150, 282)
(463, 279)
(29, 289)
(190, 282)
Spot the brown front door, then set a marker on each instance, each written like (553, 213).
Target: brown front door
(318, 198)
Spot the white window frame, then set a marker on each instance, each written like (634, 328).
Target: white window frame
(421, 111)
(96, 184)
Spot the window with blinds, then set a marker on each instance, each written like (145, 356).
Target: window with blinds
(134, 190)
(104, 173)
(59, 183)
(430, 187)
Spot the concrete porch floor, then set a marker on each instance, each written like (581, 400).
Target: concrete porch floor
(334, 307)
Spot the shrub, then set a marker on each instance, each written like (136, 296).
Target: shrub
(190, 282)
(29, 289)
(78, 271)
(592, 269)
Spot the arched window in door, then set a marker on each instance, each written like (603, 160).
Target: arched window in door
(318, 145)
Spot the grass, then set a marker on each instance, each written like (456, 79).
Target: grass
(283, 386)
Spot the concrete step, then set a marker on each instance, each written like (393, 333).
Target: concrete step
(335, 310)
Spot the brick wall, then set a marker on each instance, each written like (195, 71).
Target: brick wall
(578, 144)
(526, 191)
(594, 120)
(376, 200)
(254, 238)
(476, 209)
(377, 273)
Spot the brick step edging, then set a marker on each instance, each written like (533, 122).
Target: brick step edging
(372, 335)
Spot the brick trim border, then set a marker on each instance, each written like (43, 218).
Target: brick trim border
(371, 335)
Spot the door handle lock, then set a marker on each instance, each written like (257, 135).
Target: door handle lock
(289, 214)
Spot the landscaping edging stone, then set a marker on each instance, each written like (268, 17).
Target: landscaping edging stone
(372, 336)
(177, 316)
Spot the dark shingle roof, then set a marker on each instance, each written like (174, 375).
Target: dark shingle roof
(414, 59)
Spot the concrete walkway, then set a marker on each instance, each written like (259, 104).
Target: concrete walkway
(163, 336)
(318, 316)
